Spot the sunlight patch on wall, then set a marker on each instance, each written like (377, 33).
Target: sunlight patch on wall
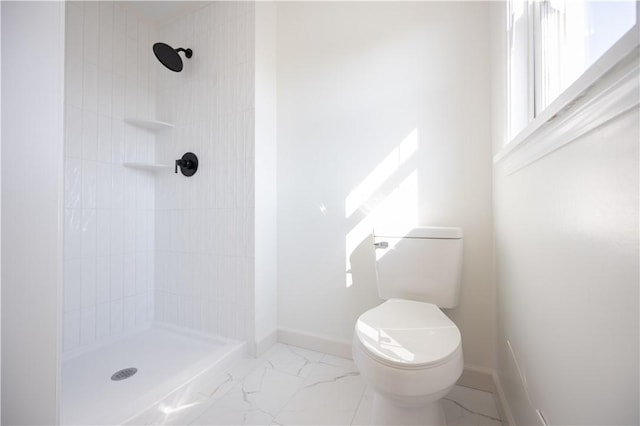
(399, 206)
(358, 197)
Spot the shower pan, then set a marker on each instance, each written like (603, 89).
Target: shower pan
(158, 268)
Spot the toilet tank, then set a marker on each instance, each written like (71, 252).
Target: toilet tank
(420, 263)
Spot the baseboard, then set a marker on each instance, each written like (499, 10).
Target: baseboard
(315, 342)
(480, 378)
(265, 343)
(501, 402)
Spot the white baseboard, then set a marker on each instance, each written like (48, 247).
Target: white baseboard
(265, 343)
(480, 378)
(501, 402)
(486, 379)
(315, 342)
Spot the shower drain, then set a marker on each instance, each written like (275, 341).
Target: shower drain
(124, 373)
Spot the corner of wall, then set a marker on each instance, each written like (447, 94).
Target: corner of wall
(265, 276)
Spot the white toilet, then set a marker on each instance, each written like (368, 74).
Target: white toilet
(407, 349)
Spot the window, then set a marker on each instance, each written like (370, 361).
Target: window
(553, 43)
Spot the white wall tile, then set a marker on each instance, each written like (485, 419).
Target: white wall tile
(117, 317)
(117, 231)
(71, 330)
(116, 277)
(103, 321)
(118, 86)
(91, 28)
(140, 273)
(150, 307)
(103, 185)
(119, 19)
(129, 232)
(72, 233)
(150, 275)
(72, 284)
(90, 86)
(105, 89)
(74, 38)
(117, 142)
(73, 82)
(130, 152)
(105, 52)
(141, 303)
(88, 276)
(131, 26)
(129, 275)
(88, 233)
(88, 184)
(130, 89)
(73, 183)
(89, 135)
(73, 131)
(103, 232)
(88, 325)
(106, 14)
(103, 279)
(129, 313)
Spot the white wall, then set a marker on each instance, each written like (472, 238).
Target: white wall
(108, 209)
(567, 244)
(383, 115)
(568, 272)
(205, 223)
(32, 143)
(266, 284)
(0, 215)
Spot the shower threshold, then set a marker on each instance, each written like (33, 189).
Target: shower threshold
(166, 358)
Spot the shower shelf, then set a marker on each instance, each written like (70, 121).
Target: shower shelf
(149, 167)
(153, 125)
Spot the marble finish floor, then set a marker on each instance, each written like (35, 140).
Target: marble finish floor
(294, 386)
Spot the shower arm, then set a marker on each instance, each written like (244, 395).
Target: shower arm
(187, 52)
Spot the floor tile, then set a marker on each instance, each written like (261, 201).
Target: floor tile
(294, 386)
(363, 412)
(329, 395)
(465, 406)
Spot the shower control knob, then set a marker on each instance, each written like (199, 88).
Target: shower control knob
(188, 164)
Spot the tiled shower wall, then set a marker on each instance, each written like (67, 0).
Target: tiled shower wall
(204, 224)
(109, 209)
(142, 246)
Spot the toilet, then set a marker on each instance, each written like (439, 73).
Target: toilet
(407, 349)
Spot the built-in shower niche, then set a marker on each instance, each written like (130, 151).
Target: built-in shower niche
(154, 126)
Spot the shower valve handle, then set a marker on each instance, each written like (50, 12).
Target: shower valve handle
(188, 164)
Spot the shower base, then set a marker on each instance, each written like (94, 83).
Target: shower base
(165, 360)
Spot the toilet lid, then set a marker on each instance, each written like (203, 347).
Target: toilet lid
(405, 333)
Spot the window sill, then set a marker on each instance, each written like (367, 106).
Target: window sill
(610, 88)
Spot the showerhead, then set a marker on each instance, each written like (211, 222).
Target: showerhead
(169, 57)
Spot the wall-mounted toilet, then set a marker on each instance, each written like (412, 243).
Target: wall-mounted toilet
(407, 349)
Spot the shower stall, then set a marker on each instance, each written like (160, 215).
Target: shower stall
(166, 274)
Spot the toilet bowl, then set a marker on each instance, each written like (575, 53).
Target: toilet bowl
(410, 353)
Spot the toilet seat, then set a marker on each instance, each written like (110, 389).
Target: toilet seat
(407, 334)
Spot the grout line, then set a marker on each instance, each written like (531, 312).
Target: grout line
(355, 413)
(335, 379)
(473, 412)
